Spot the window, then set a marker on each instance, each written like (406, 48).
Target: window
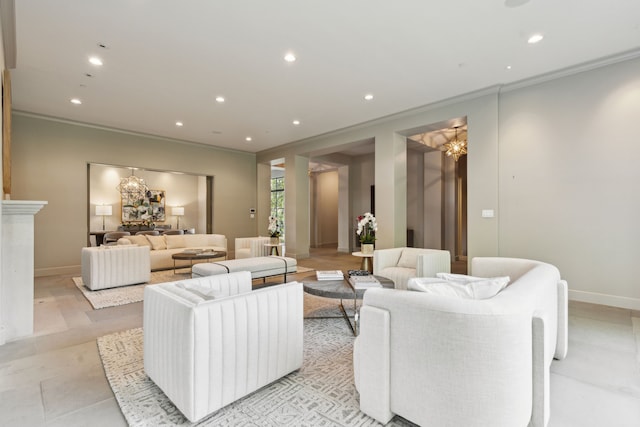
(277, 198)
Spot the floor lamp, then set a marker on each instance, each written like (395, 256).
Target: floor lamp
(177, 211)
(103, 210)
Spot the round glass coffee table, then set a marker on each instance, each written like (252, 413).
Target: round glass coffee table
(342, 290)
(192, 256)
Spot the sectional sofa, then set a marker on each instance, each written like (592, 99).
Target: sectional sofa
(162, 247)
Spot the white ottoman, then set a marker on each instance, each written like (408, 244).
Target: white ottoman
(259, 267)
(112, 266)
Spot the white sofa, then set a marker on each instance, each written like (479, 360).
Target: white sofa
(448, 361)
(205, 353)
(111, 266)
(251, 247)
(401, 264)
(162, 247)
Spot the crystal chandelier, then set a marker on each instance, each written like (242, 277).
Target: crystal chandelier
(456, 148)
(132, 187)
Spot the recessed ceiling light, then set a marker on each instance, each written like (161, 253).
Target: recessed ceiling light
(296, 122)
(535, 38)
(248, 139)
(95, 60)
(220, 99)
(290, 57)
(368, 97)
(179, 124)
(76, 101)
(508, 67)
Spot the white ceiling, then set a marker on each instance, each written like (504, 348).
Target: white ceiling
(166, 60)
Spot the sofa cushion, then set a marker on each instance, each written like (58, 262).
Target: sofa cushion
(408, 259)
(157, 242)
(196, 240)
(472, 289)
(464, 279)
(139, 240)
(175, 241)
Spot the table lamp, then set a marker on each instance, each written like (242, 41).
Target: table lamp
(103, 210)
(177, 211)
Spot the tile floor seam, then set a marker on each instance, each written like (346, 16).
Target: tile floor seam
(627, 392)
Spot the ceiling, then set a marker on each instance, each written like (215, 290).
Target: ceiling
(167, 60)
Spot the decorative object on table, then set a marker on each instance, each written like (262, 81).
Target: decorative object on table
(103, 210)
(151, 207)
(364, 282)
(357, 273)
(367, 228)
(455, 148)
(177, 211)
(275, 229)
(329, 275)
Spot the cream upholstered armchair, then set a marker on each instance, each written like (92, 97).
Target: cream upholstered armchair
(401, 264)
(439, 359)
(251, 247)
(211, 340)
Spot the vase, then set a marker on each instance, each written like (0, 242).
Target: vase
(275, 240)
(367, 248)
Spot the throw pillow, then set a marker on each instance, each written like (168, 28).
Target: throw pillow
(157, 242)
(408, 259)
(139, 240)
(175, 241)
(478, 288)
(202, 292)
(464, 279)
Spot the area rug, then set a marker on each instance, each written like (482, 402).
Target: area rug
(135, 293)
(321, 393)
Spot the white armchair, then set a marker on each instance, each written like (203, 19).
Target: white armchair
(401, 264)
(251, 247)
(210, 341)
(452, 361)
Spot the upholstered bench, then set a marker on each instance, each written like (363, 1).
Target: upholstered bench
(112, 266)
(211, 340)
(259, 267)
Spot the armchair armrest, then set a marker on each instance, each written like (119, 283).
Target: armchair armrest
(433, 262)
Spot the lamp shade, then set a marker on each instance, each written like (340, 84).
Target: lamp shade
(177, 211)
(103, 210)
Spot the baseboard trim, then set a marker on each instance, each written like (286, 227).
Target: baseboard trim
(55, 271)
(605, 299)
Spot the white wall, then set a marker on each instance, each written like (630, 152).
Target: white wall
(569, 179)
(50, 163)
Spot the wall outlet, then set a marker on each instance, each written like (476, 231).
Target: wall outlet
(487, 213)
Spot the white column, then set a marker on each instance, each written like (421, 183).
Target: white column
(16, 285)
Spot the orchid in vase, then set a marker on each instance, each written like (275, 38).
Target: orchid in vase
(367, 227)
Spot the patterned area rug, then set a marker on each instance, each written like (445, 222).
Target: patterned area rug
(134, 293)
(321, 393)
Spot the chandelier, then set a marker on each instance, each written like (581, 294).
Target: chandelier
(456, 148)
(132, 187)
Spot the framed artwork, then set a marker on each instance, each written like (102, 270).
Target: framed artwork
(151, 208)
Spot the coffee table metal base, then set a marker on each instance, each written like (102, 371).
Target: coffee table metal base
(342, 290)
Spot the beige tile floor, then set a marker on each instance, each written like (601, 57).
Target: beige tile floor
(55, 378)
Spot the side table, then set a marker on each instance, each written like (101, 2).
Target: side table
(367, 261)
(274, 249)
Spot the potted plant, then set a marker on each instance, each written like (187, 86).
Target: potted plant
(275, 230)
(367, 227)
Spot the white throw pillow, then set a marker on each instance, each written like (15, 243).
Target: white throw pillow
(157, 242)
(408, 259)
(175, 241)
(481, 288)
(139, 240)
(464, 279)
(200, 291)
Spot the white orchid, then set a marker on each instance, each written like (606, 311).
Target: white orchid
(367, 227)
(275, 227)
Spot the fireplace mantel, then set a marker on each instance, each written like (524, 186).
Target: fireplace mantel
(16, 280)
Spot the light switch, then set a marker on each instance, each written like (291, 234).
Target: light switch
(487, 213)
